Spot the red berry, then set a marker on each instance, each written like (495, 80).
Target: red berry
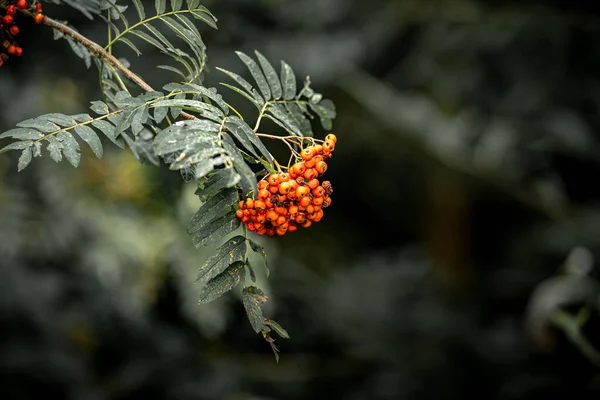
(14, 30)
(39, 18)
(19, 52)
(22, 4)
(8, 19)
(11, 10)
(38, 7)
(12, 49)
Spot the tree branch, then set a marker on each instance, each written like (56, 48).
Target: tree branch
(104, 55)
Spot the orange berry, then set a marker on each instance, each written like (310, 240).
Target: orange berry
(281, 198)
(247, 213)
(310, 209)
(251, 227)
(317, 201)
(329, 146)
(261, 231)
(319, 215)
(38, 7)
(318, 191)
(259, 205)
(284, 177)
(302, 191)
(281, 232)
(293, 210)
(241, 204)
(39, 18)
(274, 179)
(269, 203)
(321, 167)
(281, 220)
(262, 185)
(308, 153)
(313, 183)
(249, 203)
(272, 215)
(300, 218)
(319, 149)
(327, 202)
(239, 213)
(281, 210)
(274, 189)
(291, 195)
(263, 194)
(331, 137)
(261, 218)
(284, 188)
(292, 228)
(305, 201)
(307, 224)
(310, 174)
(310, 163)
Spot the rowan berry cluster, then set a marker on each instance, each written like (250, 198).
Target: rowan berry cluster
(292, 199)
(9, 29)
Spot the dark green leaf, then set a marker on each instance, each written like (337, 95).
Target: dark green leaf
(288, 81)
(278, 328)
(90, 137)
(22, 134)
(214, 208)
(25, 158)
(160, 6)
(233, 250)
(257, 248)
(216, 230)
(253, 310)
(109, 131)
(140, 9)
(257, 74)
(326, 112)
(222, 178)
(241, 128)
(222, 283)
(40, 124)
(131, 45)
(271, 76)
(247, 183)
(70, 148)
(251, 271)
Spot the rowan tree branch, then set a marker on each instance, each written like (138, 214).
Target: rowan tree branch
(104, 55)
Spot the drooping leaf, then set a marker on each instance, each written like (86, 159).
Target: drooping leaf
(70, 148)
(277, 328)
(91, 138)
(257, 248)
(253, 310)
(233, 250)
(222, 283)
(215, 207)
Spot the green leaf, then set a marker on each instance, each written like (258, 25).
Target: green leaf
(131, 45)
(176, 5)
(22, 134)
(144, 36)
(222, 178)
(40, 124)
(257, 248)
(70, 148)
(90, 137)
(257, 74)
(242, 93)
(277, 328)
(109, 130)
(16, 146)
(247, 183)
(222, 283)
(284, 119)
(54, 148)
(271, 75)
(160, 6)
(190, 136)
(216, 230)
(253, 310)
(140, 9)
(288, 81)
(233, 250)
(172, 69)
(25, 158)
(326, 112)
(251, 270)
(60, 119)
(241, 130)
(214, 208)
(257, 99)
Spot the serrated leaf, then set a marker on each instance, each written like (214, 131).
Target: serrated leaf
(37, 149)
(131, 45)
(90, 137)
(22, 134)
(109, 131)
(160, 6)
(288, 81)
(15, 146)
(271, 75)
(257, 248)
(216, 230)
(222, 283)
(54, 148)
(222, 178)
(214, 208)
(40, 124)
(247, 183)
(241, 128)
(70, 148)
(277, 328)
(257, 74)
(60, 119)
(25, 158)
(297, 114)
(253, 311)
(326, 112)
(233, 250)
(287, 122)
(140, 9)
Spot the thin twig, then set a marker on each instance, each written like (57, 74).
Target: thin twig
(104, 55)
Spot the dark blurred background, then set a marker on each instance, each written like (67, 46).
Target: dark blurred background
(457, 259)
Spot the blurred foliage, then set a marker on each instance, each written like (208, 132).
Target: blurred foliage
(466, 196)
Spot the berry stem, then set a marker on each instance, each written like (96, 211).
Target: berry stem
(104, 55)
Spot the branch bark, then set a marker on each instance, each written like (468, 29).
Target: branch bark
(104, 55)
